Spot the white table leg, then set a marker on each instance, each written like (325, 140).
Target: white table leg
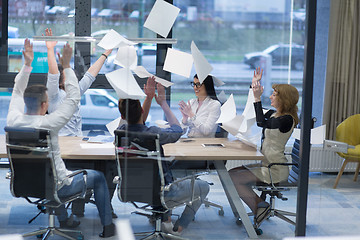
(234, 198)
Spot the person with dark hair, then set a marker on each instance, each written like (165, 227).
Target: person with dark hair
(55, 84)
(35, 100)
(133, 113)
(199, 115)
(278, 126)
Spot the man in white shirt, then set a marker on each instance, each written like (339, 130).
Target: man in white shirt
(35, 100)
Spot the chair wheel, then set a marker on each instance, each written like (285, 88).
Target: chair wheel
(207, 205)
(39, 236)
(221, 212)
(258, 231)
(80, 237)
(238, 222)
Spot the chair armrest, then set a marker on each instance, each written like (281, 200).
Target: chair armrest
(73, 174)
(278, 164)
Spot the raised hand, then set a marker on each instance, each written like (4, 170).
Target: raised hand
(257, 90)
(149, 87)
(160, 97)
(28, 52)
(49, 44)
(185, 109)
(66, 56)
(257, 75)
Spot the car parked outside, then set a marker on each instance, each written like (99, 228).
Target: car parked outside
(280, 56)
(98, 108)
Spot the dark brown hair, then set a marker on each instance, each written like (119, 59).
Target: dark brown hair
(130, 110)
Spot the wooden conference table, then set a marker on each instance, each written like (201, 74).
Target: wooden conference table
(185, 149)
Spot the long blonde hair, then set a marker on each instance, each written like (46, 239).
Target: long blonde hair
(288, 97)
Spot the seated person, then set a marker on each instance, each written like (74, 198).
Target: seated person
(200, 115)
(277, 128)
(36, 101)
(135, 122)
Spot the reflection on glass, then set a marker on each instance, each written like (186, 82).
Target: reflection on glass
(31, 18)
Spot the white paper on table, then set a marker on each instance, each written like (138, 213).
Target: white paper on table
(143, 73)
(124, 230)
(113, 40)
(222, 96)
(228, 110)
(124, 83)
(126, 57)
(178, 62)
(217, 81)
(317, 135)
(202, 66)
(233, 125)
(101, 139)
(97, 145)
(162, 123)
(161, 18)
(113, 125)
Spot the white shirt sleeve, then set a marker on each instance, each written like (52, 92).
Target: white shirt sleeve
(86, 82)
(17, 104)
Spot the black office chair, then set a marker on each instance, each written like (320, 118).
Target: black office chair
(141, 177)
(34, 178)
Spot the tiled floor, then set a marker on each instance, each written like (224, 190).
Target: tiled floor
(331, 212)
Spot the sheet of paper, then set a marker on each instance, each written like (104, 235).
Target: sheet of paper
(112, 40)
(124, 230)
(143, 73)
(97, 145)
(162, 124)
(222, 97)
(228, 110)
(126, 57)
(246, 140)
(202, 66)
(124, 83)
(161, 18)
(111, 126)
(317, 134)
(178, 62)
(217, 81)
(246, 125)
(233, 125)
(101, 139)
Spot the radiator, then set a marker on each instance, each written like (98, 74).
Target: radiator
(327, 161)
(320, 161)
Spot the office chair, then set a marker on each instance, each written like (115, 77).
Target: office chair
(349, 132)
(141, 177)
(276, 189)
(34, 178)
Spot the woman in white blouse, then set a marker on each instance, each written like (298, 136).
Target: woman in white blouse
(200, 115)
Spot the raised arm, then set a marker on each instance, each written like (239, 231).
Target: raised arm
(53, 68)
(149, 89)
(160, 99)
(16, 106)
(95, 68)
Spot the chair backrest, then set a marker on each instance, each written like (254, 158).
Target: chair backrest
(220, 132)
(139, 167)
(348, 131)
(294, 171)
(30, 156)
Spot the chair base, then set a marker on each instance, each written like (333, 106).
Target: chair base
(207, 203)
(157, 233)
(52, 230)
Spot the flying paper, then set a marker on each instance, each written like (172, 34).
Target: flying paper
(217, 81)
(178, 62)
(161, 18)
(317, 135)
(228, 110)
(113, 40)
(124, 83)
(202, 66)
(126, 57)
(143, 73)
